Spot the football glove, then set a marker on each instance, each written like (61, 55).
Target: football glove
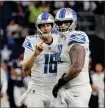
(61, 82)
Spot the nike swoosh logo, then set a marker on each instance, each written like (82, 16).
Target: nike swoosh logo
(75, 96)
(33, 91)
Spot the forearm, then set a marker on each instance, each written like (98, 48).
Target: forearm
(73, 72)
(64, 79)
(77, 55)
(29, 64)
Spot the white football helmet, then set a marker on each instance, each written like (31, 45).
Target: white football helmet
(66, 15)
(44, 18)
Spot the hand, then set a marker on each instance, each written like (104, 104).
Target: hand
(61, 82)
(38, 49)
(55, 90)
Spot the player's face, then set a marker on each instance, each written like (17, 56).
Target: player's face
(45, 28)
(63, 25)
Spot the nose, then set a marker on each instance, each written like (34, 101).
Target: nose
(46, 28)
(63, 24)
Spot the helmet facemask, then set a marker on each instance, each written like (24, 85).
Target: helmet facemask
(70, 25)
(44, 35)
(66, 15)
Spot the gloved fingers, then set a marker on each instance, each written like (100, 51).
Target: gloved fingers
(55, 94)
(55, 90)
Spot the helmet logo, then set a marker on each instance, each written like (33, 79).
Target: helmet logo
(45, 16)
(62, 13)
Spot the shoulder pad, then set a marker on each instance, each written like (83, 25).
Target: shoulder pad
(27, 43)
(79, 37)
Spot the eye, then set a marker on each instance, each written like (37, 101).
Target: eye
(43, 25)
(40, 26)
(65, 22)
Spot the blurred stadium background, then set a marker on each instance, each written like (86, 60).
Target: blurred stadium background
(17, 20)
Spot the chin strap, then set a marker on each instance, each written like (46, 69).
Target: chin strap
(46, 35)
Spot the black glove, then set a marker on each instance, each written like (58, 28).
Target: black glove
(61, 82)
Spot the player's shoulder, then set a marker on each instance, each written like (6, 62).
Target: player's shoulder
(79, 36)
(30, 41)
(31, 38)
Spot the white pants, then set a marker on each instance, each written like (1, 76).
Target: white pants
(73, 97)
(18, 91)
(36, 99)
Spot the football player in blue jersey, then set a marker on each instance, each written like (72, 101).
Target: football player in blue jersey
(73, 88)
(40, 58)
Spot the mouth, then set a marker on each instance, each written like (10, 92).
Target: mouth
(45, 33)
(63, 29)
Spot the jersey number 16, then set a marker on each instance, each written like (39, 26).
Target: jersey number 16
(50, 63)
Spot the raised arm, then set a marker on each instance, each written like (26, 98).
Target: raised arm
(27, 65)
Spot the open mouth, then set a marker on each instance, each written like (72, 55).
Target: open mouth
(63, 29)
(45, 32)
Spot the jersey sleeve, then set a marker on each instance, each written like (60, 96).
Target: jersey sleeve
(29, 49)
(78, 37)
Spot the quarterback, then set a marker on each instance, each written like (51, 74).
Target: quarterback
(73, 88)
(40, 58)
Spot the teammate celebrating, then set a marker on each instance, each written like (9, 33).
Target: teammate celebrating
(40, 58)
(73, 88)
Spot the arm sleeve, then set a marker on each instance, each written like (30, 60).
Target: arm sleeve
(29, 49)
(78, 37)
